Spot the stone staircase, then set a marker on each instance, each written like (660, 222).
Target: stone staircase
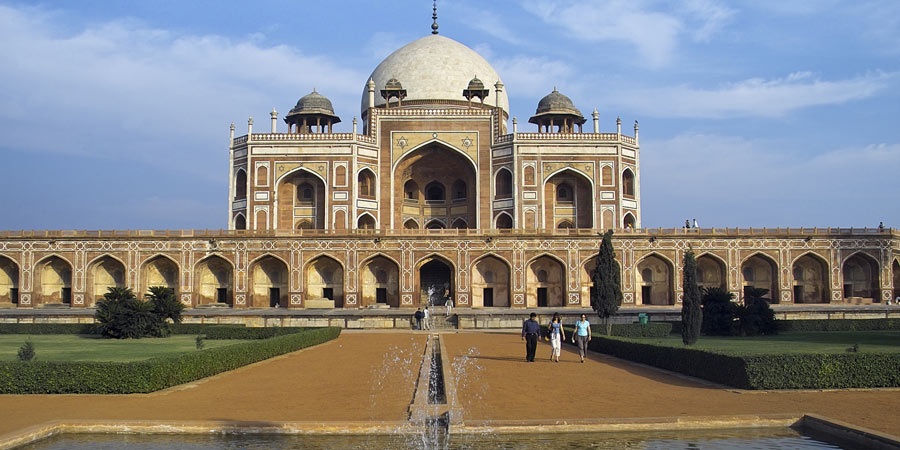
(442, 322)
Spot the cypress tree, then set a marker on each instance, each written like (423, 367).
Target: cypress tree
(691, 316)
(607, 295)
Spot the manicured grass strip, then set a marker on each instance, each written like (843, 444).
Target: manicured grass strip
(791, 342)
(50, 377)
(652, 329)
(838, 325)
(69, 347)
(761, 371)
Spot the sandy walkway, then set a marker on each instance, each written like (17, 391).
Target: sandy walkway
(502, 386)
(353, 378)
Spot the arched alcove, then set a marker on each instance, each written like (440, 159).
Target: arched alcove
(366, 184)
(213, 281)
(9, 281)
(269, 282)
(103, 273)
(325, 280)
(159, 271)
(380, 282)
(810, 273)
(503, 188)
(435, 281)
(568, 197)
(365, 222)
(301, 199)
(545, 283)
(490, 283)
(240, 223)
(54, 280)
(761, 272)
(240, 185)
(861, 279)
(710, 272)
(439, 182)
(628, 183)
(655, 281)
(504, 221)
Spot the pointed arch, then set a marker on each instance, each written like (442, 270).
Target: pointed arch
(655, 280)
(214, 281)
(490, 284)
(54, 280)
(240, 184)
(411, 191)
(503, 221)
(160, 270)
(460, 224)
(760, 270)
(366, 183)
(861, 278)
(569, 195)
(895, 276)
(9, 280)
(268, 281)
(435, 192)
(545, 281)
(240, 222)
(711, 271)
(411, 224)
(104, 272)
(459, 191)
(435, 224)
(440, 144)
(628, 183)
(606, 175)
(301, 195)
(325, 279)
(503, 183)
(810, 273)
(435, 277)
(628, 221)
(366, 221)
(379, 281)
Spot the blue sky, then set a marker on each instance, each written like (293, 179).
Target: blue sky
(752, 113)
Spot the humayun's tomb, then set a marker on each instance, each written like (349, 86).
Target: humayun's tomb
(437, 194)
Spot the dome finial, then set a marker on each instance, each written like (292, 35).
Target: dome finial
(434, 25)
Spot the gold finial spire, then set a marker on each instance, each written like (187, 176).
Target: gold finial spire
(434, 24)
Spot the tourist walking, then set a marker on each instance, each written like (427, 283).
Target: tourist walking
(530, 331)
(582, 335)
(419, 315)
(427, 318)
(557, 335)
(449, 305)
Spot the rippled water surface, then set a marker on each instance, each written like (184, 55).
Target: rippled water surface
(739, 439)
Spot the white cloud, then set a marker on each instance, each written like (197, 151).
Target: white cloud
(751, 97)
(732, 181)
(121, 89)
(654, 33)
(535, 76)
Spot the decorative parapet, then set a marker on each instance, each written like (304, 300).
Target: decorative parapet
(305, 137)
(600, 137)
(636, 233)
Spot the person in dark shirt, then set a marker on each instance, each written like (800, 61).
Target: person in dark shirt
(531, 329)
(419, 315)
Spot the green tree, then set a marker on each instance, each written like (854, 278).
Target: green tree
(122, 315)
(165, 306)
(607, 295)
(755, 316)
(26, 351)
(718, 312)
(691, 315)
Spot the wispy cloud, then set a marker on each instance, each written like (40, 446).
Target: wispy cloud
(654, 33)
(534, 76)
(734, 181)
(752, 97)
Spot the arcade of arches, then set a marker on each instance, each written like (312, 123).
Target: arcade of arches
(439, 188)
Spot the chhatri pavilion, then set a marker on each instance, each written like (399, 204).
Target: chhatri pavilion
(438, 194)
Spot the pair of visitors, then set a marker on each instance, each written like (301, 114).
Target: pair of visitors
(582, 335)
(419, 315)
(557, 335)
(530, 331)
(427, 318)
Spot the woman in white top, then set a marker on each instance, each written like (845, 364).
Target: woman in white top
(557, 334)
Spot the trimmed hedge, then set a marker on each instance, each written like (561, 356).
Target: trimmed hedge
(786, 371)
(230, 332)
(53, 377)
(634, 330)
(839, 325)
(90, 328)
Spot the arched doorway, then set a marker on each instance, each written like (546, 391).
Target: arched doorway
(103, 274)
(503, 184)
(490, 283)
(895, 268)
(628, 183)
(545, 283)
(504, 221)
(9, 281)
(435, 225)
(861, 279)
(213, 281)
(435, 281)
(447, 178)
(710, 272)
(268, 283)
(365, 182)
(460, 224)
(655, 281)
(810, 279)
(159, 271)
(569, 199)
(365, 222)
(240, 223)
(410, 224)
(240, 185)
(325, 280)
(54, 281)
(628, 221)
(761, 272)
(301, 201)
(380, 283)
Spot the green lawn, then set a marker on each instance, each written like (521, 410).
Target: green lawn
(71, 347)
(791, 342)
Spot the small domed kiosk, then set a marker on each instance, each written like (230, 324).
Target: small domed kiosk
(557, 110)
(312, 114)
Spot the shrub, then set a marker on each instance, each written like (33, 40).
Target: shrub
(54, 377)
(785, 371)
(165, 305)
(838, 325)
(755, 316)
(122, 315)
(636, 330)
(718, 312)
(26, 351)
(199, 342)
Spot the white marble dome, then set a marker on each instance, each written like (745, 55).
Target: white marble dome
(435, 68)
